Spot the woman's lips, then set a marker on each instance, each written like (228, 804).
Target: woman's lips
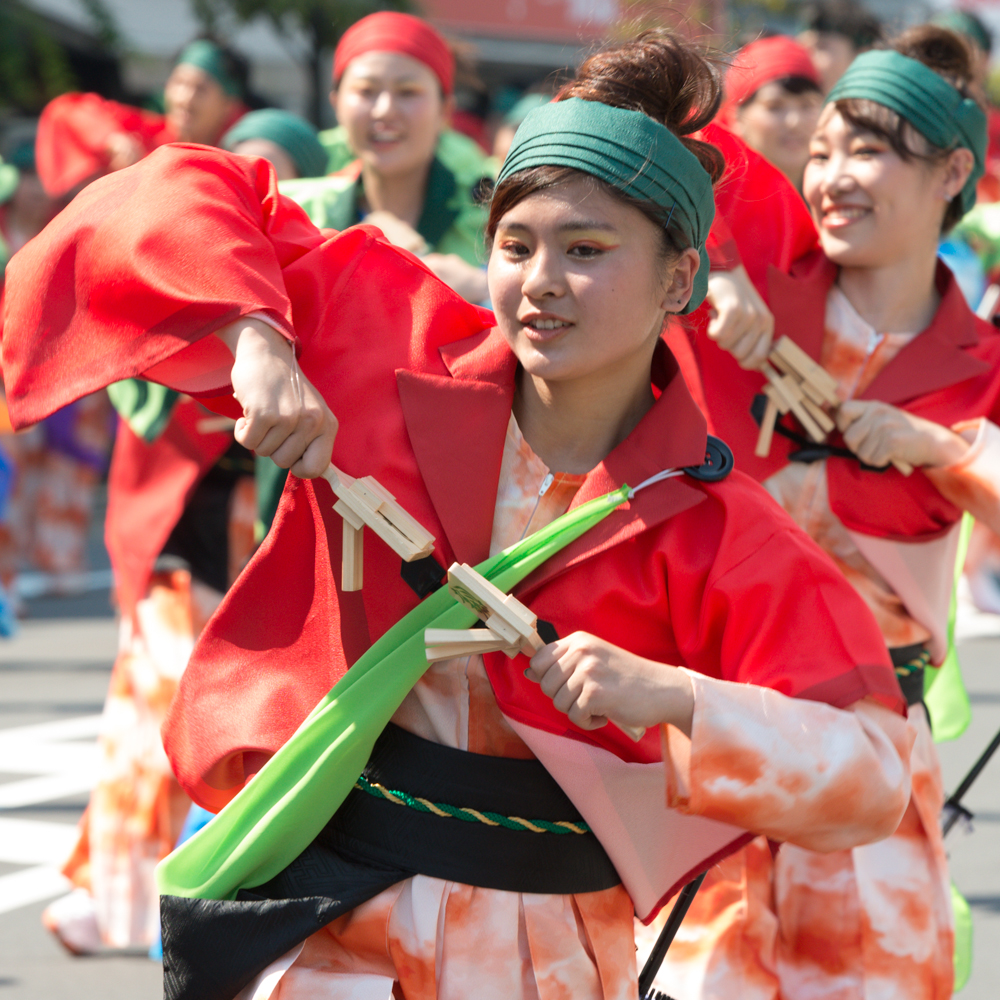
(544, 328)
(842, 216)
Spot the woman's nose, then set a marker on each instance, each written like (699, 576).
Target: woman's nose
(383, 104)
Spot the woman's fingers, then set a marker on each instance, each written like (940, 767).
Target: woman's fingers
(284, 417)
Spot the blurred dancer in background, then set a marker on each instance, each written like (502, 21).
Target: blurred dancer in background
(835, 32)
(773, 100)
(82, 136)
(409, 173)
(180, 526)
(50, 471)
(286, 140)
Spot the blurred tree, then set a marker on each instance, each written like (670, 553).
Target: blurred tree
(308, 28)
(41, 57)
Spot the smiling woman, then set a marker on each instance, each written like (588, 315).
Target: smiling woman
(393, 80)
(893, 163)
(694, 593)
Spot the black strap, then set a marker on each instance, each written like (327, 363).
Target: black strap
(213, 948)
(808, 450)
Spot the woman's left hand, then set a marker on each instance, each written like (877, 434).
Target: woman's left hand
(879, 434)
(593, 681)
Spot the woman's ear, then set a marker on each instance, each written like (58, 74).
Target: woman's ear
(958, 166)
(680, 284)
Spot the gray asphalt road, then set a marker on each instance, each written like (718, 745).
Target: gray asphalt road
(52, 683)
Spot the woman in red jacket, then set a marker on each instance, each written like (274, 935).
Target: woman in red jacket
(485, 434)
(893, 163)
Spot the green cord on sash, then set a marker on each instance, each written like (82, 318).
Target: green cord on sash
(281, 811)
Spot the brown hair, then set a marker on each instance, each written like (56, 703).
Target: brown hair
(657, 73)
(948, 54)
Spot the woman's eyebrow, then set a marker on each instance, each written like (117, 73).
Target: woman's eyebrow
(574, 225)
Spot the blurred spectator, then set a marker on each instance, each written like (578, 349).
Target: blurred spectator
(772, 102)
(25, 208)
(398, 164)
(834, 32)
(505, 133)
(48, 473)
(288, 141)
(82, 136)
(205, 92)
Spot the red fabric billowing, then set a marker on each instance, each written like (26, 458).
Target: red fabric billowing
(111, 319)
(149, 485)
(764, 61)
(951, 372)
(73, 133)
(760, 222)
(760, 209)
(711, 576)
(71, 147)
(389, 31)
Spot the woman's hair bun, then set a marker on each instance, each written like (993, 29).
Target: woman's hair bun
(941, 50)
(662, 75)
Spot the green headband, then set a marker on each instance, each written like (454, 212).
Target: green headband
(293, 134)
(926, 100)
(630, 151)
(208, 56)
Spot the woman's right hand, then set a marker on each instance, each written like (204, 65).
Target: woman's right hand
(742, 324)
(289, 422)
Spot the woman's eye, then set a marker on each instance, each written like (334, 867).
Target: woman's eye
(866, 151)
(513, 249)
(818, 155)
(586, 251)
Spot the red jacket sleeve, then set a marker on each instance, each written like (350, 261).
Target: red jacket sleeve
(138, 270)
(73, 133)
(766, 217)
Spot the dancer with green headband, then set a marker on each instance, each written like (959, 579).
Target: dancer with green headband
(475, 827)
(84, 136)
(893, 163)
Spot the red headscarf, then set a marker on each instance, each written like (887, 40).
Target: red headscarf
(761, 62)
(388, 31)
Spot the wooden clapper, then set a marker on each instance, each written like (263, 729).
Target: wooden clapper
(511, 627)
(804, 388)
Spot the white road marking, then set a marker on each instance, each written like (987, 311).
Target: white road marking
(59, 759)
(31, 885)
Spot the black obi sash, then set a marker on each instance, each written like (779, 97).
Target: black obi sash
(213, 948)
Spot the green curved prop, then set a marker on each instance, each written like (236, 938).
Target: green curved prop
(281, 811)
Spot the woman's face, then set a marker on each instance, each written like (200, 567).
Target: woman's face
(578, 284)
(198, 108)
(873, 208)
(393, 111)
(778, 125)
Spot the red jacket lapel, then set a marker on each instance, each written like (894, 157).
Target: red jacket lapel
(670, 436)
(457, 427)
(935, 359)
(798, 301)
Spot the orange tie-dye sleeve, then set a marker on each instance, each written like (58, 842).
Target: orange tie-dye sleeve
(794, 770)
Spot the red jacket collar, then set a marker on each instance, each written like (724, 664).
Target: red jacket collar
(933, 360)
(457, 426)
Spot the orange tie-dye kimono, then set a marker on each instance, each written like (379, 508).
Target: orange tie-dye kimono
(416, 937)
(873, 922)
